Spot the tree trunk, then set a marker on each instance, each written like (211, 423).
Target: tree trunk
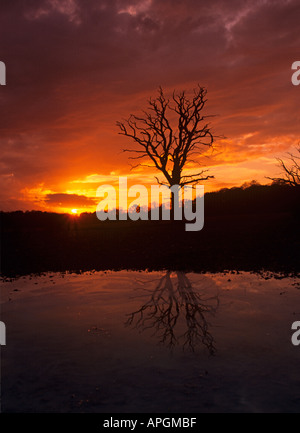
(174, 201)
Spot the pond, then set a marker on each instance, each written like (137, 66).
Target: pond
(150, 342)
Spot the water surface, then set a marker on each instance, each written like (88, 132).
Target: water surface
(150, 342)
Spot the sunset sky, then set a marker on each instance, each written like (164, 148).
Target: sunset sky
(75, 67)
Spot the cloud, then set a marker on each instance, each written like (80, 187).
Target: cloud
(69, 200)
(75, 67)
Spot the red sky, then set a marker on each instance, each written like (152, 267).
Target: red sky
(75, 67)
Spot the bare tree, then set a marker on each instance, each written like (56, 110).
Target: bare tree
(290, 170)
(169, 134)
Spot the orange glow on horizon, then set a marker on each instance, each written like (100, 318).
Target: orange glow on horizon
(60, 140)
(76, 193)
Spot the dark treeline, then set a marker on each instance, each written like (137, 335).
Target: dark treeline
(253, 199)
(250, 228)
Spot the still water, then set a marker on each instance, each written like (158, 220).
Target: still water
(150, 342)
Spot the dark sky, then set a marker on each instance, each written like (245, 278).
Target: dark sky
(75, 67)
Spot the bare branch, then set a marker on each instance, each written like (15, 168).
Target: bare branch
(169, 143)
(168, 302)
(290, 173)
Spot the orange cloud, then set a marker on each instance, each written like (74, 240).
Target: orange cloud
(74, 68)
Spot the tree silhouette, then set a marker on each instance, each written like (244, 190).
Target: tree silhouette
(290, 170)
(168, 302)
(169, 134)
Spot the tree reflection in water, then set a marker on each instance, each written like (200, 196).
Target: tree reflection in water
(170, 300)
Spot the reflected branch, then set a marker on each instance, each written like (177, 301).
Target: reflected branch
(168, 302)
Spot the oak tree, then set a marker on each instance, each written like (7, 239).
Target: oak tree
(170, 135)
